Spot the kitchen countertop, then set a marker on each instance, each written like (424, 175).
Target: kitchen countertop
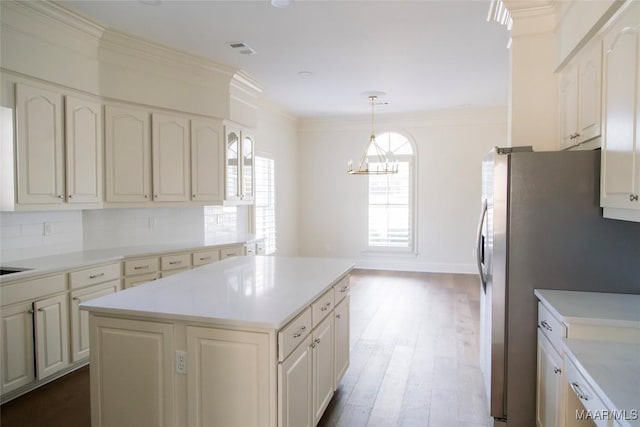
(80, 259)
(612, 369)
(259, 291)
(594, 308)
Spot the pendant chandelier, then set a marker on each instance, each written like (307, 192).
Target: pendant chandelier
(373, 151)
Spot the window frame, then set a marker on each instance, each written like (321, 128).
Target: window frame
(412, 159)
(254, 216)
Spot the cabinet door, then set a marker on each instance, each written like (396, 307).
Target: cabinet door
(207, 177)
(342, 339)
(620, 153)
(127, 155)
(83, 120)
(52, 340)
(569, 107)
(171, 158)
(549, 385)
(294, 388)
(80, 319)
(589, 90)
(17, 352)
(224, 368)
(132, 373)
(40, 161)
(323, 367)
(232, 164)
(247, 168)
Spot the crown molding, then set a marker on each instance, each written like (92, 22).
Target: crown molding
(246, 83)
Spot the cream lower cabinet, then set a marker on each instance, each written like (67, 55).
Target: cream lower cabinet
(549, 385)
(80, 319)
(295, 395)
(227, 368)
(342, 321)
(142, 392)
(323, 367)
(34, 335)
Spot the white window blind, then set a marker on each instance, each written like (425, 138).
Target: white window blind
(265, 204)
(390, 202)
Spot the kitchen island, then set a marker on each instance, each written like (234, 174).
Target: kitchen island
(252, 341)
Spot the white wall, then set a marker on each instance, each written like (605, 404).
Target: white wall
(450, 146)
(277, 138)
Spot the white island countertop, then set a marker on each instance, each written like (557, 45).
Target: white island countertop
(258, 291)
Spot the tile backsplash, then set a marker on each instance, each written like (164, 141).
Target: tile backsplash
(36, 234)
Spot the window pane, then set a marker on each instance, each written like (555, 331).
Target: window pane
(265, 214)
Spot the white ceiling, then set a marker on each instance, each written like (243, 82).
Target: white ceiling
(424, 55)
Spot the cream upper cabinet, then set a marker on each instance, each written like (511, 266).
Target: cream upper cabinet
(171, 150)
(239, 165)
(580, 100)
(83, 125)
(40, 151)
(620, 175)
(207, 172)
(127, 155)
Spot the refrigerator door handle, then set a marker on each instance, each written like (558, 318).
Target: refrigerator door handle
(480, 245)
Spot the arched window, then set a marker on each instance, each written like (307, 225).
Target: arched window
(391, 204)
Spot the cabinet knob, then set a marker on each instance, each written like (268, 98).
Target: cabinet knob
(556, 370)
(59, 196)
(146, 196)
(545, 325)
(633, 197)
(30, 311)
(70, 196)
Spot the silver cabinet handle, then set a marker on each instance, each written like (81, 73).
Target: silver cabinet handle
(338, 316)
(578, 391)
(300, 331)
(76, 298)
(59, 196)
(141, 267)
(325, 307)
(556, 370)
(30, 311)
(633, 197)
(344, 289)
(95, 276)
(545, 325)
(315, 343)
(205, 258)
(175, 262)
(41, 309)
(70, 196)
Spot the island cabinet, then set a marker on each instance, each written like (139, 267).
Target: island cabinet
(246, 341)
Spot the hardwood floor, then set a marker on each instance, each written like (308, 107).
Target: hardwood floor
(414, 361)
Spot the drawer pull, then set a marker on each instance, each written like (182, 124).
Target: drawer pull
(141, 267)
(556, 370)
(344, 289)
(325, 307)
(205, 258)
(299, 333)
(76, 298)
(95, 276)
(338, 316)
(545, 325)
(578, 391)
(175, 262)
(315, 343)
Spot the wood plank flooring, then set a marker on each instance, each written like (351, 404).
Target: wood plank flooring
(414, 361)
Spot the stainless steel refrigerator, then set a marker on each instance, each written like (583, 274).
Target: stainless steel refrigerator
(540, 227)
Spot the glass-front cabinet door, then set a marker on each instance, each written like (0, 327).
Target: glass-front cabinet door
(232, 165)
(247, 168)
(239, 165)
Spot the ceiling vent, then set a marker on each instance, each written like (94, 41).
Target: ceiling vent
(242, 47)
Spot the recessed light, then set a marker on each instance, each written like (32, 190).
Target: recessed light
(305, 73)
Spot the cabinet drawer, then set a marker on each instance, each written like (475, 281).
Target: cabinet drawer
(231, 252)
(293, 334)
(33, 289)
(550, 326)
(341, 289)
(95, 275)
(322, 307)
(173, 262)
(130, 282)
(578, 390)
(206, 257)
(141, 266)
